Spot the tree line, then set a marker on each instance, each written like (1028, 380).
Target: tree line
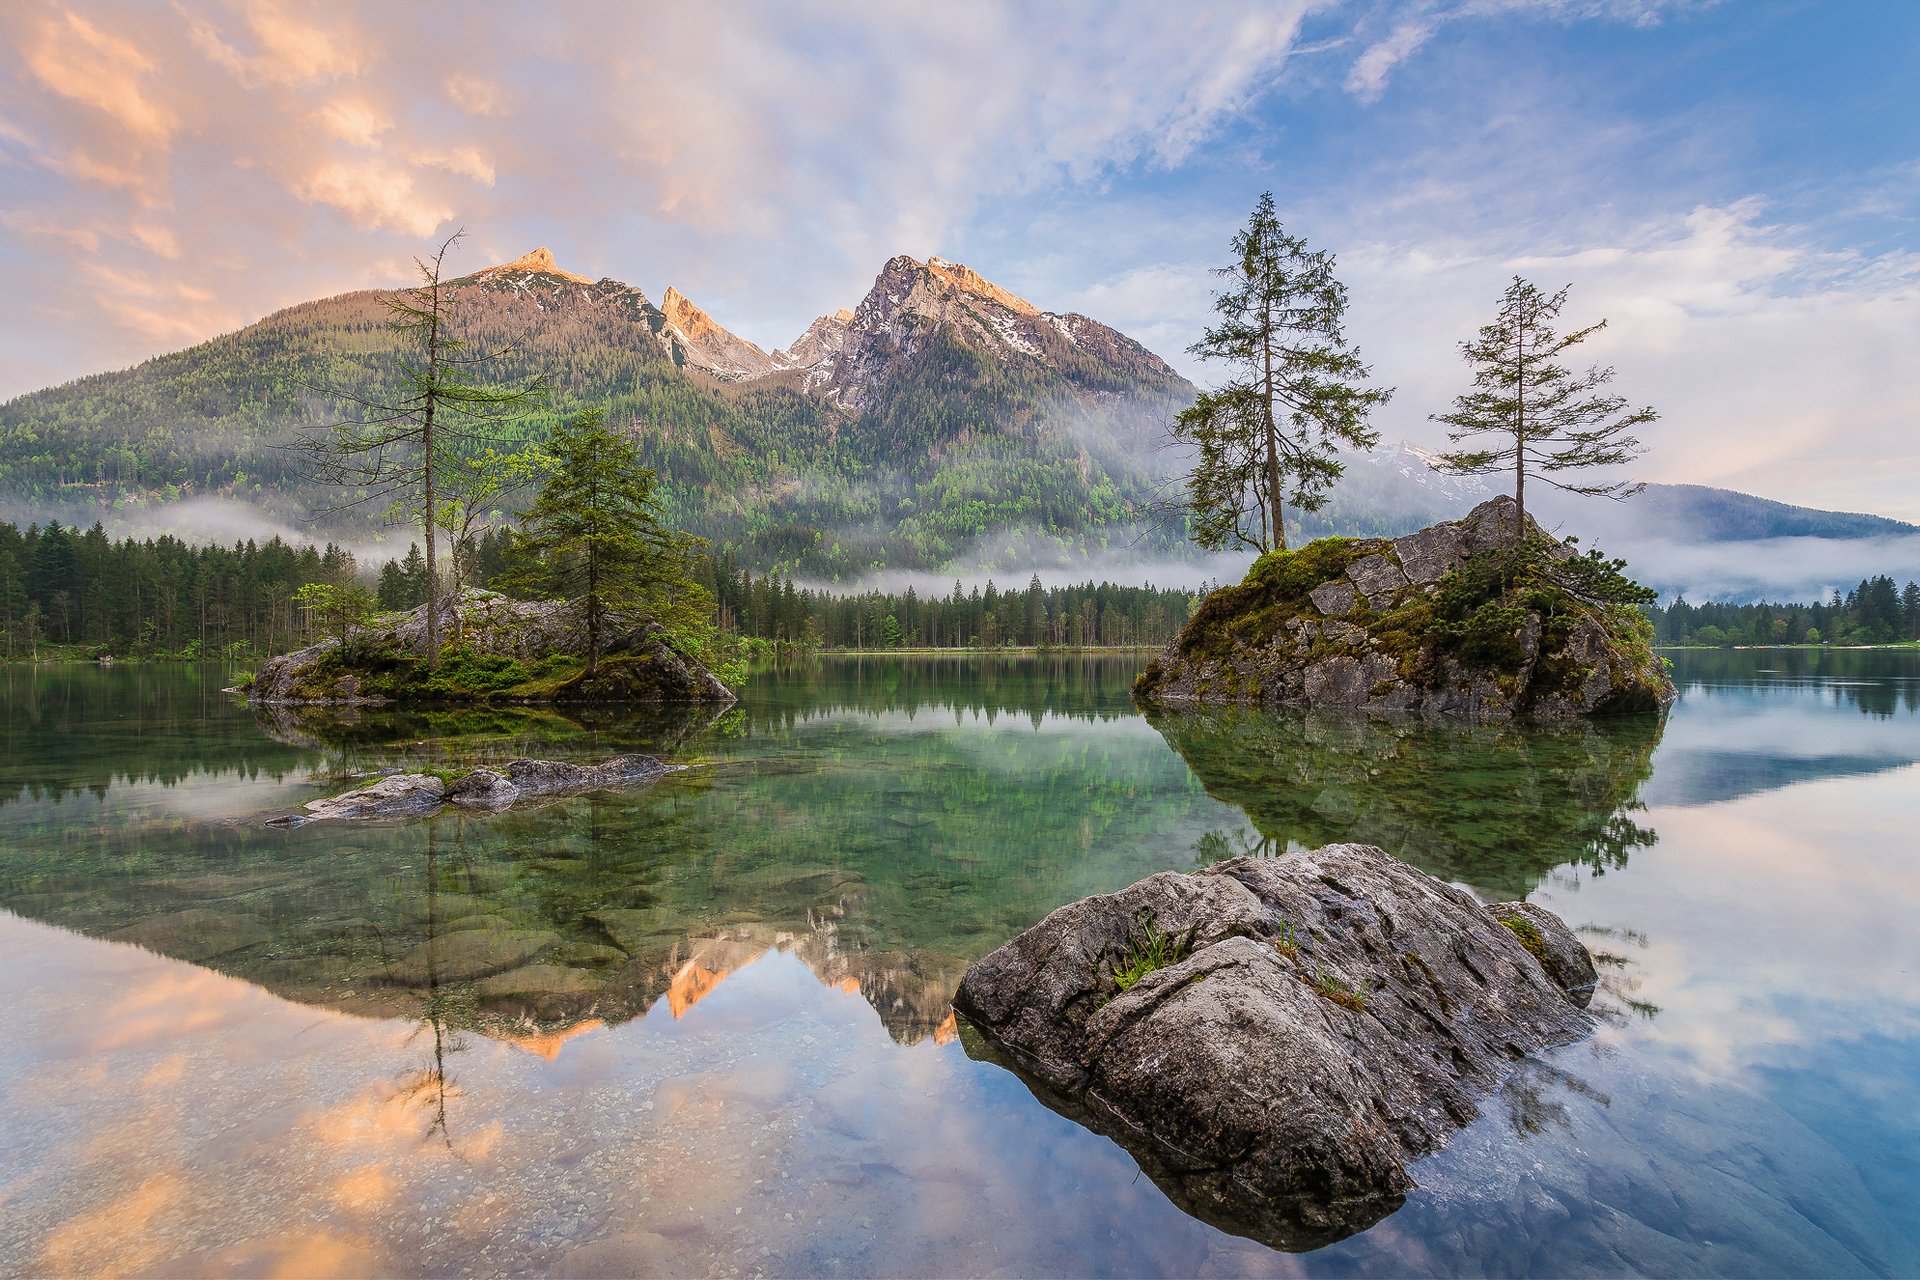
(1875, 612)
(165, 598)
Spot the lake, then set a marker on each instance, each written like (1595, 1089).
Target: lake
(702, 1027)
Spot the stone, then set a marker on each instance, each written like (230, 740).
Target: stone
(400, 795)
(1547, 938)
(483, 789)
(418, 794)
(1335, 599)
(1338, 1014)
(1378, 578)
(1279, 639)
(642, 665)
(561, 777)
(1429, 555)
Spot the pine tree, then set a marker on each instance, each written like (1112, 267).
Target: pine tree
(594, 532)
(1547, 419)
(1272, 434)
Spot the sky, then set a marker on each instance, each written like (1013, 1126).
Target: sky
(1734, 187)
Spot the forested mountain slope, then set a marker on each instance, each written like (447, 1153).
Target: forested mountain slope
(941, 420)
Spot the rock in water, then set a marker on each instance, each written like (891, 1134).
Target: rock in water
(1324, 1018)
(407, 795)
(639, 661)
(400, 795)
(1370, 623)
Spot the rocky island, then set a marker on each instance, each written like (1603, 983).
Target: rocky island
(501, 649)
(1276, 1038)
(1465, 618)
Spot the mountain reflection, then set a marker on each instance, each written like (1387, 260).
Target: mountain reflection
(1494, 806)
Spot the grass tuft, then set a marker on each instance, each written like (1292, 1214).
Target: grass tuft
(1150, 950)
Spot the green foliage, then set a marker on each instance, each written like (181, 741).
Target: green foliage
(1546, 419)
(595, 531)
(1149, 950)
(402, 446)
(1874, 612)
(1276, 588)
(956, 445)
(340, 607)
(1482, 607)
(1271, 436)
(464, 673)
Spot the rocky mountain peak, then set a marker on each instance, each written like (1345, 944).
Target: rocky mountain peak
(966, 278)
(694, 338)
(540, 262)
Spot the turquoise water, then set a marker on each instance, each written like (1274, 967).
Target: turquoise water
(702, 1026)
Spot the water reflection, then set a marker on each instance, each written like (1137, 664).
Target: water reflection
(1497, 807)
(583, 1036)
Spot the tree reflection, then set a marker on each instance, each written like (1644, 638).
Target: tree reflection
(1494, 806)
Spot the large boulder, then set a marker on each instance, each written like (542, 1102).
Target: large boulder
(1318, 1021)
(640, 662)
(1362, 623)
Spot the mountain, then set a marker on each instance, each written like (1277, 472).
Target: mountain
(941, 422)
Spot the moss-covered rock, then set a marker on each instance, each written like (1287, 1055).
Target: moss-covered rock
(496, 650)
(1462, 618)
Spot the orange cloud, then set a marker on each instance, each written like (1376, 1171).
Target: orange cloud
(79, 61)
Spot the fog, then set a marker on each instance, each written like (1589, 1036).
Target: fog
(1779, 569)
(204, 521)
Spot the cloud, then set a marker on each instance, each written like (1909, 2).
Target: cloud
(1368, 79)
(376, 194)
(768, 164)
(1778, 367)
(285, 49)
(259, 154)
(77, 60)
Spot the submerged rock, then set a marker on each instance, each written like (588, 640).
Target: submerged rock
(1320, 1020)
(400, 795)
(1370, 623)
(406, 795)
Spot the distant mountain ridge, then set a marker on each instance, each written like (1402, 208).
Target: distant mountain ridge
(942, 417)
(942, 424)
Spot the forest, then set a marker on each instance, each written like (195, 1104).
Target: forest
(73, 591)
(1875, 612)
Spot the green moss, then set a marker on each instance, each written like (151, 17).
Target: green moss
(1273, 593)
(1529, 935)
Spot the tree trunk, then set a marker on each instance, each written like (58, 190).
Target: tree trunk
(1276, 517)
(1520, 439)
(426, 448)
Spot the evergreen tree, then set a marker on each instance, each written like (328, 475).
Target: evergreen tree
(1271, 436)
(1546, 418)
(594, 532)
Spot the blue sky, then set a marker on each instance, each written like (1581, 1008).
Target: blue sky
(1734, 186)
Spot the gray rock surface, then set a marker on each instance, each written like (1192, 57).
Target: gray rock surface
(487, 789)
(406, 795)
(1564, 957)
(1339, 1015)
(1366, 638)
(401, 795)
